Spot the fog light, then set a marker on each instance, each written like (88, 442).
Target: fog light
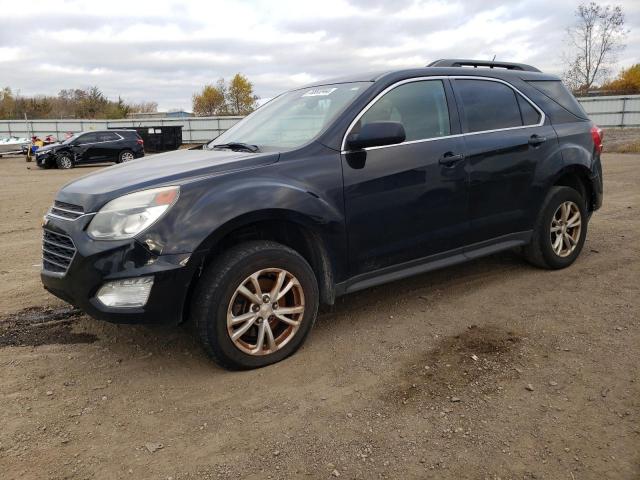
(131, 292)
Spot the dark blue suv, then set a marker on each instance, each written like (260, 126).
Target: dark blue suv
(325, 190)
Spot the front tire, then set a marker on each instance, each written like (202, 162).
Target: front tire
(255, 305)
(560, 230)
(64, 161)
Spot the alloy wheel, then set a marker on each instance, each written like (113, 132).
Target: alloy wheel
(65, 162)
(126, 156)
(566, 227)
(265, 311)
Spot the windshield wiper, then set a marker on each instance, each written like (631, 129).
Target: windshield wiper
(238, 146)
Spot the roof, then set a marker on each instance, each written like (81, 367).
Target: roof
(525, 72)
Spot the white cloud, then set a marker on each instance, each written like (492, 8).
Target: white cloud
(164, 51)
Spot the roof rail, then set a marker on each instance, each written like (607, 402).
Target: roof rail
(456, 62)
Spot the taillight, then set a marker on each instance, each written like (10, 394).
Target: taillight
(597, 134)
(140, 141)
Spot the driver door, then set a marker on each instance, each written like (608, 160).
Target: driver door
(407, 201)
(85, 148)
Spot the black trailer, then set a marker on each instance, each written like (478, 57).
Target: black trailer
(159, 138)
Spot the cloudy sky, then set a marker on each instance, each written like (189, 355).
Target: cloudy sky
(164, 50)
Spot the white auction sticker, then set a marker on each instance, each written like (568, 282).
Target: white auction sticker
(319, 92)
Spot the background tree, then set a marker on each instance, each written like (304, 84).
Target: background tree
(595, 39)
(240, 97)
(210, 101)
(7, 103)
(69, 103)
(143, 107)
(627, 81)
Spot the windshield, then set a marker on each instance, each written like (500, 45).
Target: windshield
(71, 138)
(292, 119)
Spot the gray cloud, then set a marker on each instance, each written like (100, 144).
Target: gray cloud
(166, 56)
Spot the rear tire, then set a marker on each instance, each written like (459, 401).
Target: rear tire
(560, 230)
(242, 310)
(64, 161)
(125, 156)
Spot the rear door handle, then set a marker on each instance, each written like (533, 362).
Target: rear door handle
(449, 159)
(535, 140)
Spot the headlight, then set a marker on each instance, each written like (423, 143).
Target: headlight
(127, 216)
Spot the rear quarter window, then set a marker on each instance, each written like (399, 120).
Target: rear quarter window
(530, 115)
(556, 91)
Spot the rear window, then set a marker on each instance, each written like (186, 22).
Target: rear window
(488, 105)
(556, 91)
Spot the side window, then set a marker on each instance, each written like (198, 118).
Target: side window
(488, 105)
(420, 106)
(88, 138)
(530, 115)
(107, 137)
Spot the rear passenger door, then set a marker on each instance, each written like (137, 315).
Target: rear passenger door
(107, 147)
(505, 139)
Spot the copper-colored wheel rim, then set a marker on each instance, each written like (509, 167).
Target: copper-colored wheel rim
(566, 227)
(265, 311)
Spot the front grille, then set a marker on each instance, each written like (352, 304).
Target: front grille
(66, 210)
(57, 252)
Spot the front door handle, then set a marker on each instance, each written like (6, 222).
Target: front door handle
(449, 159)
(535, 140)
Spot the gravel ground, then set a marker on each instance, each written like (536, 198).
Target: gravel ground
(492, 369)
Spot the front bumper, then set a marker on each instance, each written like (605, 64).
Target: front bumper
(97, 262)
(46, 158)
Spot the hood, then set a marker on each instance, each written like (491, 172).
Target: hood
(171, 168)
(50, 147)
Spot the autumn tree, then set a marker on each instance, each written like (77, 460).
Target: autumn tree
(210, 101)
(595, 39)
(69, 103)
(118, 109)
(7, 103)
(627, 81)
(240, 97)
(143, 107)
(233, 98)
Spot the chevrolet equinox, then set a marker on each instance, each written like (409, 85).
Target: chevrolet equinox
(326, 190)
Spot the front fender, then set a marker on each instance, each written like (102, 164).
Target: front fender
(208, 210)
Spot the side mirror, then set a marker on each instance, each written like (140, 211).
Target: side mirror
(376, 134)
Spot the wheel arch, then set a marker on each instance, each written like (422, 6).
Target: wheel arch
(289, 228)
(578, 177)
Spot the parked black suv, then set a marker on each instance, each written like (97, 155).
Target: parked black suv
(91, 147)
(326, 190)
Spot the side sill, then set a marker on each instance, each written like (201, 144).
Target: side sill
(433, 262)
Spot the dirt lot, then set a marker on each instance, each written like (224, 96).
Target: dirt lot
(492, 369)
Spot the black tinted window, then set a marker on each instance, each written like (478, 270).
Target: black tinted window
(421, 107)
(107, 137)
(530, 115)
(88, 138)
(488, 105)
(556, 91)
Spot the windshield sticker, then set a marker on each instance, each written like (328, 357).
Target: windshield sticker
(319, 92)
